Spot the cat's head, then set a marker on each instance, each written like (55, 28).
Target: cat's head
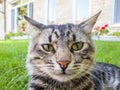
(62, 52)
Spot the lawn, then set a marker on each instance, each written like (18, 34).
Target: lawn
(13, 74)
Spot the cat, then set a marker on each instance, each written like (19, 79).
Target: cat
(62, 57)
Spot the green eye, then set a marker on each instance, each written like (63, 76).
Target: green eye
(77, 46)
(48, 47)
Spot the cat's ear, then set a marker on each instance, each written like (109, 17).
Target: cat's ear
(33, 26)
(88, 24)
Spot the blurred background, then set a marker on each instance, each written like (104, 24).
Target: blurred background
(57, 12)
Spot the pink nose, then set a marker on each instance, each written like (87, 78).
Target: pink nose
(63, 64)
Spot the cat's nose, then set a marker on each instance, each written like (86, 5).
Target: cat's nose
(63, 64)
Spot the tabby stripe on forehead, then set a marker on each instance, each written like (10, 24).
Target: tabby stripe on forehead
(68, 33)
(50, 38)
(56, 34)
(74, 37)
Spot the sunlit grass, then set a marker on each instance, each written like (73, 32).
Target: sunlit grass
(108, 51)
(13, 74)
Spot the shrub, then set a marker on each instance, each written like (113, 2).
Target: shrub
(20, 33)
(7, 36)
(116, 34)
(12, 34)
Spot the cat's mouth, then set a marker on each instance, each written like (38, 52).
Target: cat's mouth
(63, 75)
(63, 72)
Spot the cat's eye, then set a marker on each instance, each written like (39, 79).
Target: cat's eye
(77, 46)
(48, 47)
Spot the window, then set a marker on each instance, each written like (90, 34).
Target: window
(81, 10)
(16, 2)
(51, 11)
(117, 12)
(0, 7)
(12, 19)
(31, 10)
(18, 12)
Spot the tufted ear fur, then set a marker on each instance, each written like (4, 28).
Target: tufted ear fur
(33, 26)
(88, 24)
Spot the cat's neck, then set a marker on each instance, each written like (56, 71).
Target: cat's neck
(81, 83)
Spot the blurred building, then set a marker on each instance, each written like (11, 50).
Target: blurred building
(61, 11)
(12, 15)
(1, 20)
(58, 12)
(110, 13)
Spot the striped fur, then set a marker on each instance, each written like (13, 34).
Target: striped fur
(54, 63)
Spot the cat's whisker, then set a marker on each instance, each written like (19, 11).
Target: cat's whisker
(44, 65)
(74, 69)
(76, 65)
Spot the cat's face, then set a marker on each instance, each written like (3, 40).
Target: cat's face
(62, 52)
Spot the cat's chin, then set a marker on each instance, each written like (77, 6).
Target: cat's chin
(63, 77)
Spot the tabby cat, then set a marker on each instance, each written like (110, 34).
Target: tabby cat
(62, 57)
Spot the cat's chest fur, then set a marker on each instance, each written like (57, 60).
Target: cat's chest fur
(82, 83)
(62, 57)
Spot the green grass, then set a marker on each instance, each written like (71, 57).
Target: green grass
(13, 74)
(108, 52)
